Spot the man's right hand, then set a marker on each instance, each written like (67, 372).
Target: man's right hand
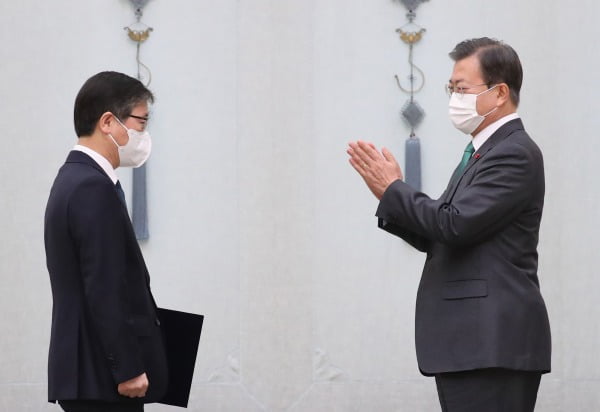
(134, 388)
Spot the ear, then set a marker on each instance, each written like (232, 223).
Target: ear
(503, 94)
(105, 122)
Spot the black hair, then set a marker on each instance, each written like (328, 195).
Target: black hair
(107, 92)
(498, 61)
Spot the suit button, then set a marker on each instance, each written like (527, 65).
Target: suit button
(157, 322)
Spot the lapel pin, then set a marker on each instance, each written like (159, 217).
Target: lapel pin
(477, 156)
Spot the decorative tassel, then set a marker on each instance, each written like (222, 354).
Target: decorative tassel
(139, 210)
(413, 162)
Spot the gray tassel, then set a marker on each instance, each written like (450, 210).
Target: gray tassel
(412, 153)
(139, 209)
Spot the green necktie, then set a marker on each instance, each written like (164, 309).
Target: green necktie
(463, 162)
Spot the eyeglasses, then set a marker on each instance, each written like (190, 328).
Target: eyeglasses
(460, 90)
(139, 117)
(144, 120)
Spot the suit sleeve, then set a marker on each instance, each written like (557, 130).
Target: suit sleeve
(99, 231)
(503, 182)
(418, 242)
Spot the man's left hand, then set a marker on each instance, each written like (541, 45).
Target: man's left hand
(378, 169)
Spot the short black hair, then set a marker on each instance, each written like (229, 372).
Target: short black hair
(107, 92)
(498, 61)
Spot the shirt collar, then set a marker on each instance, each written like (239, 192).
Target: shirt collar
(485, 134)
(101, 160)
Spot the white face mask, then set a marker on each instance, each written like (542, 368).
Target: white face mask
(137, 149)
(463, 111)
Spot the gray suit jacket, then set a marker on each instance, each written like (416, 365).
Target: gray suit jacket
(479, 303)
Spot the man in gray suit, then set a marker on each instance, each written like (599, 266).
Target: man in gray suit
(482, 327)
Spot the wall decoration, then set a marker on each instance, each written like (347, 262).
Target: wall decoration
(139, 33)
(411, 112)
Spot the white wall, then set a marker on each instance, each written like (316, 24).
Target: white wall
(257, 220)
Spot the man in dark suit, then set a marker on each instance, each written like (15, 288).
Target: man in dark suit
(106, 347)
(481, 324)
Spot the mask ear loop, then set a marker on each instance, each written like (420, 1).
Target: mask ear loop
(495, 108)
(488, 90)
(120, 122)
(113, 140)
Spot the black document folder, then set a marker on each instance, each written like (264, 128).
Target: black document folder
(182, 336)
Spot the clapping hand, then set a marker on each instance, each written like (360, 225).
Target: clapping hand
(378, 169)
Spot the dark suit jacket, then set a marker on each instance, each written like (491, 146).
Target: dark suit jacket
(479, 303)
(104, 324)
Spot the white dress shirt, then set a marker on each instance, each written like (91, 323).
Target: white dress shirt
(485, 134)
(101, 160)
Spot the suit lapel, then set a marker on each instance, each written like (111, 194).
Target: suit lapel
(499, 135)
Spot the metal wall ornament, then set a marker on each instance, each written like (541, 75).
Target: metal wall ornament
(411, 112)
(139, 32)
